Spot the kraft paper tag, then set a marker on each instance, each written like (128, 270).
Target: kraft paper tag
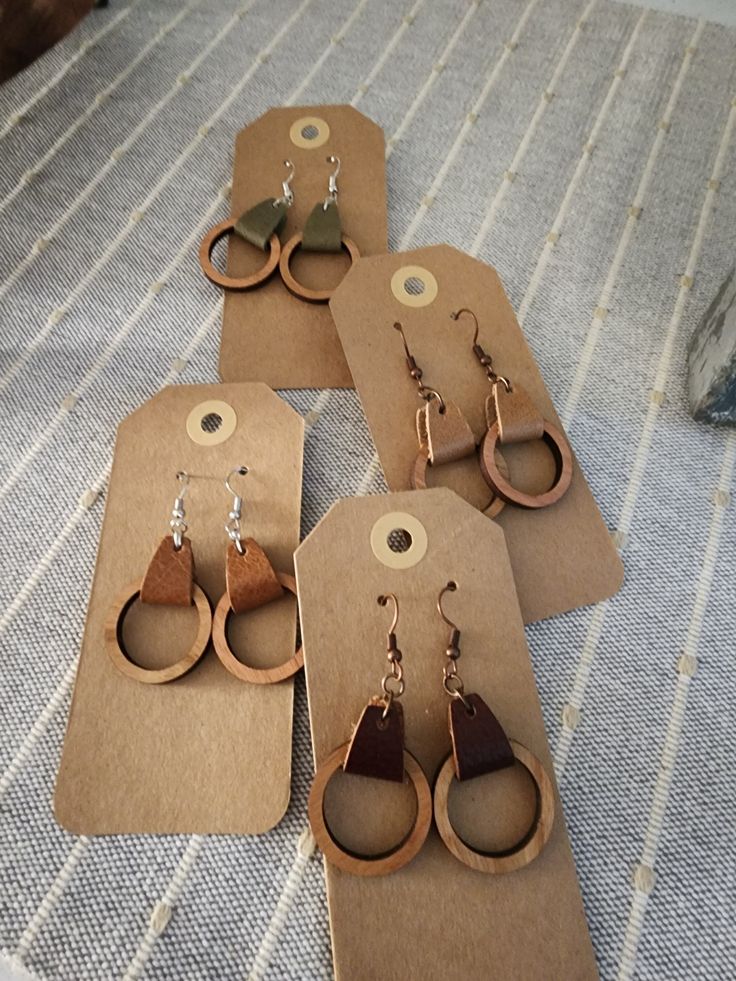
(206, 753)
(268, 334)
(435, 917)
(562, 556)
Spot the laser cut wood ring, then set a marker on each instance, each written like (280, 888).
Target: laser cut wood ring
(364, 865)
(419, 479)
(115, 646)
(293, 285)
(256, 676)
(235, 283)
(527, 848)
(500, 484)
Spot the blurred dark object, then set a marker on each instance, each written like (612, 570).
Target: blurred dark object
(712, 359)
(30, 27)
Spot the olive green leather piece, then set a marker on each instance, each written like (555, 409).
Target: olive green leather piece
(259, 224)
(322, 231)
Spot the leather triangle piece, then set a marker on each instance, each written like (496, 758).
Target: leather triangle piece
(322, 230)
(446, 435)
(170, 575)
(259, 223)
(479, 744)
(250, 577)
(518, 418)
(377, 747)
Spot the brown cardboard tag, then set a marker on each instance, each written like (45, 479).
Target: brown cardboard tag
(562, 556)
(436, 917)
(268, 334)
(205, 753)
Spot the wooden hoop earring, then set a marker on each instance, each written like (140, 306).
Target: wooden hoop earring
(322, 233)
(251, 582)
(523, 851)
(292, 283)
(389, 861)
(499, 482)
(480, 746)
(259, 226)
(376, 750)
(168, 581)
(237, 284)
(512, 417)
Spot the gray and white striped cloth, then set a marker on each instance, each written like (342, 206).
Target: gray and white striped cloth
(585, 149)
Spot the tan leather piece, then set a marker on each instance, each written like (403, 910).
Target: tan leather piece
(518, 418)
(251, 579)
(169, 577)
(447, 435)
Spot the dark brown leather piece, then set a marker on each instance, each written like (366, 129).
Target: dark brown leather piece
(251, 579)
(446, 435)
(377, 747)
(170, 575)
(518, 418)
(479, 744)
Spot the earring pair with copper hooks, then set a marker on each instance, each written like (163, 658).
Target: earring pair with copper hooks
(445, 436)
(260, 227)
(479, 746)
(170, 581)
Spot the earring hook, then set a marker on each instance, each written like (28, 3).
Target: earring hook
(383, 601)
(416, 372)
(449, 588)
(287, 195)
(183, 477)
(236, 471)
(178, 522)
(233, 524)
(456, 314)
(485, 360)
(332, 182)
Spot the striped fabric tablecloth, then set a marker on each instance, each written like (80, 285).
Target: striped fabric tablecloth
(586, 149)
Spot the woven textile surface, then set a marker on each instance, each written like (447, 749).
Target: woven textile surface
(587, 151)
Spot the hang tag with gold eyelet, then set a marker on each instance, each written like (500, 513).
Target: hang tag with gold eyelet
(441, 539)
(203, 752)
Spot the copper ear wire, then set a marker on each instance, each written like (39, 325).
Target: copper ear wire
(416, 373)
(485, 360)
(394, 657)
(451, 680)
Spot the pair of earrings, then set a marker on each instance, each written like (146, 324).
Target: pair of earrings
(251, 582)
(511, 417)
(260, 226)
(479, 746)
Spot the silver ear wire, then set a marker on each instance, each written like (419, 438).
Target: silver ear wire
(332, 183)
(287, 195)
(177, 523)
(236, 512)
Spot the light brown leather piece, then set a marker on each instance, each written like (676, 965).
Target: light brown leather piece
(251, 579)
(170, 575)
(519, 420)
(446, 435)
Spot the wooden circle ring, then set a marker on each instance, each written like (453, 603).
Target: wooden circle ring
(154, 676)
(499, 482)
(256, 676)
(527, 848)
(236, 283)
(366, 865)
(419, 480)
(293, 285)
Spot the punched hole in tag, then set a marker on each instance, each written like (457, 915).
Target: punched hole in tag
(399, 540)
(310, 131)
(414, 286)
(211, 422)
